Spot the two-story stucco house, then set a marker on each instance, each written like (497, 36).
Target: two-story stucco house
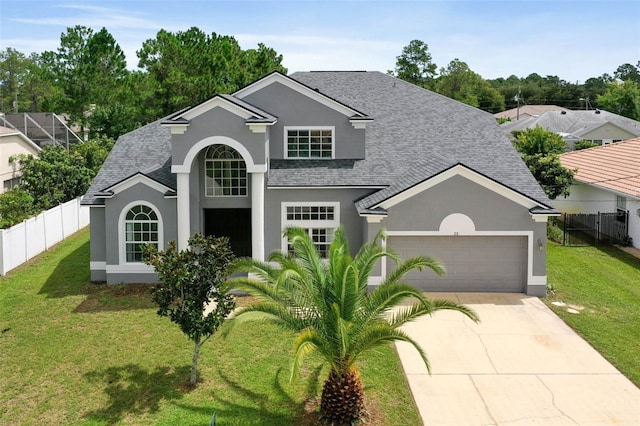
(319, 149)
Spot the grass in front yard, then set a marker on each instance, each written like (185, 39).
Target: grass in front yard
(72, 352)
(603, 284)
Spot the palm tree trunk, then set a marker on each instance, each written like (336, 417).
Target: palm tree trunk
(194, 363)
(342, 401)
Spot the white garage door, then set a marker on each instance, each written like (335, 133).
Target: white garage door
(484, 264)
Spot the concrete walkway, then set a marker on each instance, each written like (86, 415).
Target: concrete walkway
(521, 365)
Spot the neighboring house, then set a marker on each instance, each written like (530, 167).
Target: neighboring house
(43, 128)
(320, 149)
(526, 111)
(12, 143)
(597, 126)
(607, 180)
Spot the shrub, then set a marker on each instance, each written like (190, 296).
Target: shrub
(584, 144)
(16, 205)
(554, 231)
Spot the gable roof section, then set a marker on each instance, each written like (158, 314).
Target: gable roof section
(250, 113)
(132, 180)
(615, 167)
(418, 180)
(528, 110)
(577, 123)
(306, 90)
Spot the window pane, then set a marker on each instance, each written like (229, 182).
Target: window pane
(226, 174)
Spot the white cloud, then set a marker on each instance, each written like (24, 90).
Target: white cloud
(305, 53)
(95, 17)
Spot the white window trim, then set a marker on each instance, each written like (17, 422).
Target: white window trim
(308, 223)
(333, 141)
(122, 247)
(229, 159)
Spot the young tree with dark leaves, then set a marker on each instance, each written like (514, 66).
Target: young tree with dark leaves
(190, 283)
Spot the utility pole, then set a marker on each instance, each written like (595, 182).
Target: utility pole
(518, 105)
(15, 103)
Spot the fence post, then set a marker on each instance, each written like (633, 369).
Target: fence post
(26, 239)
(2, 271)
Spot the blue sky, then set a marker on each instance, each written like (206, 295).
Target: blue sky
(574, 40)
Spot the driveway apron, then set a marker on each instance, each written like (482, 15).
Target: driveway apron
(521, 365)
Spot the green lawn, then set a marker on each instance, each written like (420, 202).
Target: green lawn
(603, 284)
(72, 352)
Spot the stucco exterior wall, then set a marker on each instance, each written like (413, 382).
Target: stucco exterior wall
(348, 214)
(219, 122)
(489, 211)
(295, 109)
(11, 145)
(166, 208)
(97, 244)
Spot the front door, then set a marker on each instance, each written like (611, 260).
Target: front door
(232, 223)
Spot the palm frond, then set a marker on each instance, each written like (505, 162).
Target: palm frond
(380, 334)
(306, 342)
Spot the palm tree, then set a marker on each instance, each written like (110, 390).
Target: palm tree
(327, 303)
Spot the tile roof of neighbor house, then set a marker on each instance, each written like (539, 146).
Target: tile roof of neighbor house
(576, 123)
(415, 135)
(615, 166)
(528, 110)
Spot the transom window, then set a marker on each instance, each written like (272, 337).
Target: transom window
(310, 213)
(320, 220)
(140, 228)
(309, 142)
(225, 172)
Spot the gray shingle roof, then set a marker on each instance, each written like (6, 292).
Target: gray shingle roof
(414, 130)
(416, 134)
(146, 150)
(576, 123)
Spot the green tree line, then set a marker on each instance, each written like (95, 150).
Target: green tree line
(618, 93)
(86, 78)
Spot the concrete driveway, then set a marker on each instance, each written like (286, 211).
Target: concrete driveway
(521, 365)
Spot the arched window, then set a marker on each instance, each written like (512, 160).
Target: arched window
(225, 172)
(140, 228)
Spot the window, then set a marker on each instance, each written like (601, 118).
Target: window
(319, 219)
(225, 172)
(11, 183)
(309, 142)
(140, 228)
(621, 208)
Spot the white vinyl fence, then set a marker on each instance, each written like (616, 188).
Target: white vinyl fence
(25, 240)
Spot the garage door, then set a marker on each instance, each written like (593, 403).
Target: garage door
(487, 264)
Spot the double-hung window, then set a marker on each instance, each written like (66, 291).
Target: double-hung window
(309, 142)
(319, 219)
